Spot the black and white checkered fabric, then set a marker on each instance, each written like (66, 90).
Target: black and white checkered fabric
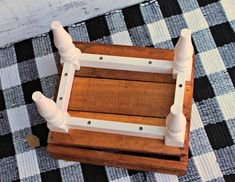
(31, 65)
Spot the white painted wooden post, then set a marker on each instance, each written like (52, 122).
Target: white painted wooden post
(182, 69)
(176, 121)
(64, 43)
(47, 108)
(70, 57)
(175, 127)
(183, 54)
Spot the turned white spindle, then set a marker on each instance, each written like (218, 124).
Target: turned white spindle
(48, 109)
(183, 54)
(64, 43)
(175, 127)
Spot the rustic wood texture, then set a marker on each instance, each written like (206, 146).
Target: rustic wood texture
(123, 96)
(82, 138)
(188, 100)
(121, 118)
(118, 160)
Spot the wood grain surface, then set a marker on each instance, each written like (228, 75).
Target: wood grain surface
(123, 96)
(118, 160)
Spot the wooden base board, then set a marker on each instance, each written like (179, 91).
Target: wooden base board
(124, 96)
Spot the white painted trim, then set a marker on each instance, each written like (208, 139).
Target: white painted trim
(176, 121)
(130, 129)
(183, 57)
(179, 90)
(126, 63)
(47, 108)
(66, 82)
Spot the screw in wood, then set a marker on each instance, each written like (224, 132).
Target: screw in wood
(88, 122)
(140, 128)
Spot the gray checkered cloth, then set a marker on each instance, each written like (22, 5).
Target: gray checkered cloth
(32, 65)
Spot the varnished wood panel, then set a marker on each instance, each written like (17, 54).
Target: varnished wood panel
(120, 118)
(128, 51)
(82, 138)
(118, 160)
(121, 97)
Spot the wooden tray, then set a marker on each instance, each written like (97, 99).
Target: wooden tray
(125, 96)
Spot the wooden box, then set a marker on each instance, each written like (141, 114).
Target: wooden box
(124, 96)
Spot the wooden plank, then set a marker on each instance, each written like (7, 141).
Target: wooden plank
(185, 151)
(98, 140)
(187, 105)
(129, 51)
(188, 99)
(118, 160)
(124, 75)
(24, 19)
(120, 118)
(121, 97)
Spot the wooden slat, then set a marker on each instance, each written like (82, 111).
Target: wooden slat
(184, 156)
(129, 51)
(124, 75)
(188, 99)
(91, 139)
(118, 160)
(121, 97)
(120, 118)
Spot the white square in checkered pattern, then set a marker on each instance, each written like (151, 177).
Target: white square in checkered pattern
(165, 177)
(123, 179)
(122, 38)
(46, 65)
(159, 32)
(27, 164)
(229, 7)
(18, 118)
(9, 76)
(212, 61)
(64, 164)
(227, 105)
(195, 20)
(207, 166)
(196, 121)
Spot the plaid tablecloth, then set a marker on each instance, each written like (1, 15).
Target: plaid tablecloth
(31, 65)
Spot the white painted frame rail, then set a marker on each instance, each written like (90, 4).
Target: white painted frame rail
(72, 59)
